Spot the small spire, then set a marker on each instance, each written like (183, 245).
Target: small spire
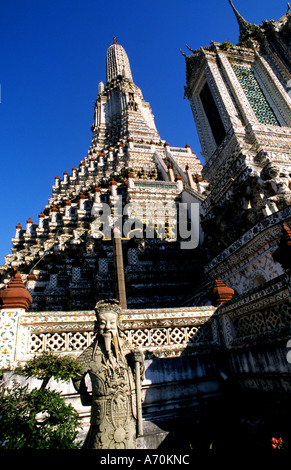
(221, 293)
(241, 21)
(31, 276)
(245, 28)
(191, 50)
(15, 295)
(114, 40)
(100, 87)
(239, 17)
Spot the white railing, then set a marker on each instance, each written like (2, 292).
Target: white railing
(158, 332)
(260, 316)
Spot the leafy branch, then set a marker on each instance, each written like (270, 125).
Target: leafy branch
(39, 418)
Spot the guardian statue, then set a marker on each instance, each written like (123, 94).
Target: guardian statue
(116, 371)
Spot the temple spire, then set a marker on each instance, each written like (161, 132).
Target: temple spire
(243, 24)
(245, 28)
(117, 63)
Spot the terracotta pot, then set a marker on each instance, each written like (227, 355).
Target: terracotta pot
(221, 293)
(15, 295)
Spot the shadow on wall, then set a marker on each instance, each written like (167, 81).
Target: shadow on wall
(200, 402)
(179, 394)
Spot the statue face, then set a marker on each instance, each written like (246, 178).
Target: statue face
(107, 323)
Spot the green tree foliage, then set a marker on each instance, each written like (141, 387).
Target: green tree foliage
(49, 365)
(39, 418)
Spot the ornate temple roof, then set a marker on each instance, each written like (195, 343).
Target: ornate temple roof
(249, 30)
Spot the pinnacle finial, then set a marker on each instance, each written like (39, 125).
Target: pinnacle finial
(189, 48)
(15, 295)
(117, 63)
(288, 8)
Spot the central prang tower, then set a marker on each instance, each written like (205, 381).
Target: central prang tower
(62, 259)
(120, 110)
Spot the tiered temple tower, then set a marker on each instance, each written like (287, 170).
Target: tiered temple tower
(240, 99)
(65, 259)
(120, 110)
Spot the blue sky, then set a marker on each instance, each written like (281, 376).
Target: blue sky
(52, 59)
